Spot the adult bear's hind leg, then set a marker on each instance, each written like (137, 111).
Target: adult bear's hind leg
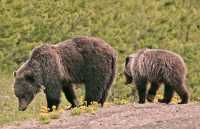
(104, 96)
(70, 95)
(107, 86)
(183, 93)
(93, 91)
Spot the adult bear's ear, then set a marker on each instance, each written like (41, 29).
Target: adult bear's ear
(29, 77)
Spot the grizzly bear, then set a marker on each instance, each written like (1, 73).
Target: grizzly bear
(55, 68)
(157, 66)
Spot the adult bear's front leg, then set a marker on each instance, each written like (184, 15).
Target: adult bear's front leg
(53, 98)
(70, 95)
(141, 87)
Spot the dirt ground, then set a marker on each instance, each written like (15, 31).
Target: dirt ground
(146, 116)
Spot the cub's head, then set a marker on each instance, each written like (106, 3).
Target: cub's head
(128, 68)
(25, 85)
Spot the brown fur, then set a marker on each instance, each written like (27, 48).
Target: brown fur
(157, 66)
(87, 60)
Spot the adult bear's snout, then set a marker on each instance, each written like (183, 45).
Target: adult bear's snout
(22, 108)
(22, 105)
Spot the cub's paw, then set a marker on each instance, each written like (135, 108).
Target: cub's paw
(141, 101)
(150, 98)
(163, 101)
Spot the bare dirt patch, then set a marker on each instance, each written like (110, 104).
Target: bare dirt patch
(146, 116)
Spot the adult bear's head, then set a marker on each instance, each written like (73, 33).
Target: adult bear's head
(128, 68)
(26, 84)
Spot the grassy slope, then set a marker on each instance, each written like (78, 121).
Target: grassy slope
(126, 24)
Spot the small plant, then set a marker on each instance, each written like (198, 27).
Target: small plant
(76, 111)
(107, 104)
(120, 101)
(85, 109)
(175, 99)
(45, 116)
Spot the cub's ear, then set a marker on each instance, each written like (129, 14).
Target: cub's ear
(29, 77)
(14, 74)
(127, 60)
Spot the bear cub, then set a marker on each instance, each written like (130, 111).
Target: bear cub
(157, 66)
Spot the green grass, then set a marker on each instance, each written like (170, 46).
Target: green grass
(127, 25)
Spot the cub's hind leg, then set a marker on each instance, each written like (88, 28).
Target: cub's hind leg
(141, 87)
(152, 91)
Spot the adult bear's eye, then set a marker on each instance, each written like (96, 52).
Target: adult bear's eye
(29, 78)
(22, 97)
